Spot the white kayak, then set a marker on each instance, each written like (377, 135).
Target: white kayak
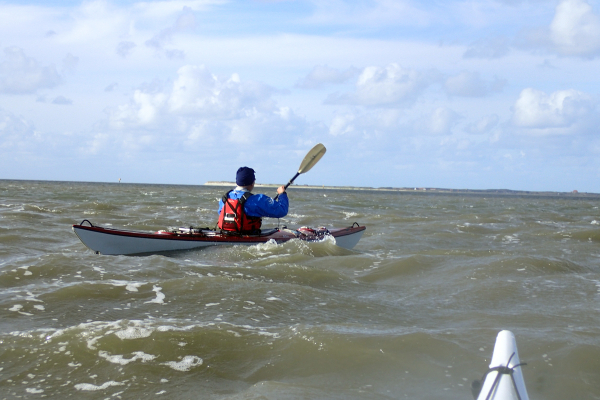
(118, 241)
(504, 379)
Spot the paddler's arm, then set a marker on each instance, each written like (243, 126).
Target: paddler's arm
(261, 205)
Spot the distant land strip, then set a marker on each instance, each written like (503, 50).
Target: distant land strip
(432, 191)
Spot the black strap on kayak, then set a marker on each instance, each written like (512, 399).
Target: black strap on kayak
(503, 370)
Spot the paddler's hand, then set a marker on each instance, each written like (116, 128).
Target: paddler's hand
(281, 190)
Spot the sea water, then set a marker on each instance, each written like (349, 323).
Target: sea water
(411, 312)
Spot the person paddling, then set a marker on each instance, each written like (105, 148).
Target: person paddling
(242, 212)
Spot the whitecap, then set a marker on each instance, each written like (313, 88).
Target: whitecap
(187, 363)
(133, 287)
(350, 214)
(274, 335)
(120, 359)
(129, 286)
(90, 387)
(511, 239)
(31, 297)
(160, 297)
(134, 332)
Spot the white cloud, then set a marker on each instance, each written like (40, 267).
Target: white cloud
(198, 92)
(573, 32)
(94, 22)
(442, 120)
(375, 128)
(322, 75)
(20, 74)
(575, 29)
(186, 21)
(470, 84)
(199, 107)
(381, 128)
(439, 122)
(143, 109)
(110, 25)
(342, 124)
(157, 10)
(15, 132)
(561, 112)
(389, 86)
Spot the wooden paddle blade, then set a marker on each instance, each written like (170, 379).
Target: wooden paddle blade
(313, 156)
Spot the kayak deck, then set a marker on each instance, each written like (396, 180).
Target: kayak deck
(112, 241)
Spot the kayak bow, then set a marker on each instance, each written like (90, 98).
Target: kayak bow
(124, 242)
(504, 380)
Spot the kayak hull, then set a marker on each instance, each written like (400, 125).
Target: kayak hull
(124, 242)
(498, 383)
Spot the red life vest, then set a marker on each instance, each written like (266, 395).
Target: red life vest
(233, 218)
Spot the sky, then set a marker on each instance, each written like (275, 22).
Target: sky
(469, 94)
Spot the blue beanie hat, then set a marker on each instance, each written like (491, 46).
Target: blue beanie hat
(245, 176)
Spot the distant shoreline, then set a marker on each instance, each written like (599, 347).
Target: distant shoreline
(404, 190)
(433, 191)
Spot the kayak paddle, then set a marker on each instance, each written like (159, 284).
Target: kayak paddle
(311, 158)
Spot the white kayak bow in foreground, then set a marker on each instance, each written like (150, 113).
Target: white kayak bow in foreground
(504, 380)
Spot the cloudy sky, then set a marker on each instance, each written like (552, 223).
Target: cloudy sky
(474, 94)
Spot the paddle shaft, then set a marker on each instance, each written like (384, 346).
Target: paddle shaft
(288, 184)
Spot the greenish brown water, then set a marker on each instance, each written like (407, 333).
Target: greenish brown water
(411, 312)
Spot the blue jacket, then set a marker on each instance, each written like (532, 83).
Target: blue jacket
(260, 205)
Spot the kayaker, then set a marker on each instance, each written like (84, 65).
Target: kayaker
(241, 211)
